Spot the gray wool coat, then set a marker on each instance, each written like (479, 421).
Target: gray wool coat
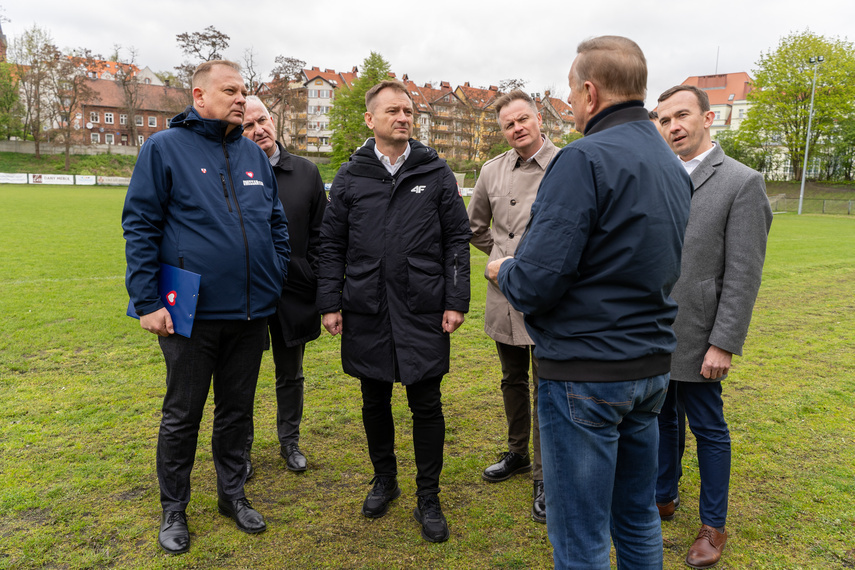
(722, 264)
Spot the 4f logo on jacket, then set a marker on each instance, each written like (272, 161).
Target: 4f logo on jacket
(418, 189)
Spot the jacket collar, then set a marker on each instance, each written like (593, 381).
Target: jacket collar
(364, 161)
(707, 167)
(284, 162)
(615, 115)
(209, 128)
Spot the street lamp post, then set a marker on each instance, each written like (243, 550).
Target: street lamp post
(815, 61)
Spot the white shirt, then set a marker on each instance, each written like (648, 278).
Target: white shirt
(691, 164)
(384, 160)
(275, 158)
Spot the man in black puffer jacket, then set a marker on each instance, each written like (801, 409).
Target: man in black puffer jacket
(394, 281)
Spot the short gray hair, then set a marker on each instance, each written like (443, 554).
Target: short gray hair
(257, 99)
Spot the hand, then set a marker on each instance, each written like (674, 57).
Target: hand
(158, 322)
(492, 271)
(716, 363)
(451, 321)
(332, 322)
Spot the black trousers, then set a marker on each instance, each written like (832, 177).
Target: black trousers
(288, 363)
(425, 401)
(229, 352)
(518, 405)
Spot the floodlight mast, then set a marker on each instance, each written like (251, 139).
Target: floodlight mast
(815, 61)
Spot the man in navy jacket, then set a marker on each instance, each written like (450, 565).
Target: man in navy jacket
(203, 198)
(593, 276)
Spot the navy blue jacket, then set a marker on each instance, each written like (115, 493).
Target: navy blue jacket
(596, 266)
(206, 202)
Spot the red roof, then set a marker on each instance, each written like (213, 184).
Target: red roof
(479, 98)
(109, 93)
(724, 88)
(331, 76)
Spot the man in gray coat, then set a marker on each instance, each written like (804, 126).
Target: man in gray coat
(723, 255)
(503, 197)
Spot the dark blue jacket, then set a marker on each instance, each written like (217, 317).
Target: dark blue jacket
(208, 203)
(594, 271)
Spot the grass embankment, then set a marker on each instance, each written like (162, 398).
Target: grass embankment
(81, 387)
(98, 165)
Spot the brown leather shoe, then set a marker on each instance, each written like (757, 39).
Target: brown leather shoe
(707, 548)
(666, 510)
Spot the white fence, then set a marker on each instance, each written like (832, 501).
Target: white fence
(63, 179)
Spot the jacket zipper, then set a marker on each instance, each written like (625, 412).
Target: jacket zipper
(226, 191)
(242, 228)
(455, 270)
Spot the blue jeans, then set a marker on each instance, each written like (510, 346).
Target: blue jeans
(705, 412)
(599, 443)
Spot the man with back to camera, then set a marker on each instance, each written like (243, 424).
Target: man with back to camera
(394, 281)
(296, 321)
(204, 199)
(723, 257)
(503, 195)
(593, 276)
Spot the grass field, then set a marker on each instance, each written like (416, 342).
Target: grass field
(81, 387)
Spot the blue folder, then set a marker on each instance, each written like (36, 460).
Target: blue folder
(179, 291)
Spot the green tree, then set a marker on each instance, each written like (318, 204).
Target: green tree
(781, 94)
(10, 109)
(32, 53)
(347, 117)
(570, 137)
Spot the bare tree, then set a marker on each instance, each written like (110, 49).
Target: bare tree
(288, 99)
(32, 53)
(68, 86)
(508, 85)
(206, 45)
(128, 81)
(249, 70)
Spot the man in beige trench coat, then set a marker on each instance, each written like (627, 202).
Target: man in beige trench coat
(504, 194)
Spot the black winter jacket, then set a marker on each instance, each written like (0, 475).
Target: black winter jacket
(394, 257)
(303, 198)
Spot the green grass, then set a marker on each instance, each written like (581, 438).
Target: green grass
(98, 165)
(81, 387)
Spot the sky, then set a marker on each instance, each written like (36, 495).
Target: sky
(444, 40)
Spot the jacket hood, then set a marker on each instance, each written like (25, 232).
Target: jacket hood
(364, 161)
(210, 128)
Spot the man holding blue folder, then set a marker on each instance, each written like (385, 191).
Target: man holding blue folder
(204, 199)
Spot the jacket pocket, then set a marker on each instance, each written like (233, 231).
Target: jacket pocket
(425, 285)
(361, 291)
(710, 302)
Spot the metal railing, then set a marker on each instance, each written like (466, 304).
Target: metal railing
(813, 205)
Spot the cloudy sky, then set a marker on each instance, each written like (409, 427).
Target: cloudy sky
(444, 40)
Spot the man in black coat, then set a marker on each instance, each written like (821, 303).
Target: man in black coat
(394, 281)
(297, 321)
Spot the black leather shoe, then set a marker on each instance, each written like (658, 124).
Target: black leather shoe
(538, 505)
(294, 458)
(428, 513)
(248, 519)
(377, 502)
(509, 465)
(174, 538)
(250, 470)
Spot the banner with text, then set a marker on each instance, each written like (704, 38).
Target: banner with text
(13, 178)
(84, 180)
(51, 179)
(114, 180)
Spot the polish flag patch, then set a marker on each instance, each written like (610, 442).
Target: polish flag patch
(171, 297)
(250, 174)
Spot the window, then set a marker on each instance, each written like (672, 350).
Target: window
(95, 138)
(93, 117)
(108, 138)
(717, 115)
(138, 120)
(742, 113)
(313, 93)
(123, 119)
(140, 139)
(147, 81)
(319, 81)
(152, 121)
(108, 118)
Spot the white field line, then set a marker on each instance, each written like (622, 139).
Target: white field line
(61, 280)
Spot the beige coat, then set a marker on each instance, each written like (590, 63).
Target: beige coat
(504, 194)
